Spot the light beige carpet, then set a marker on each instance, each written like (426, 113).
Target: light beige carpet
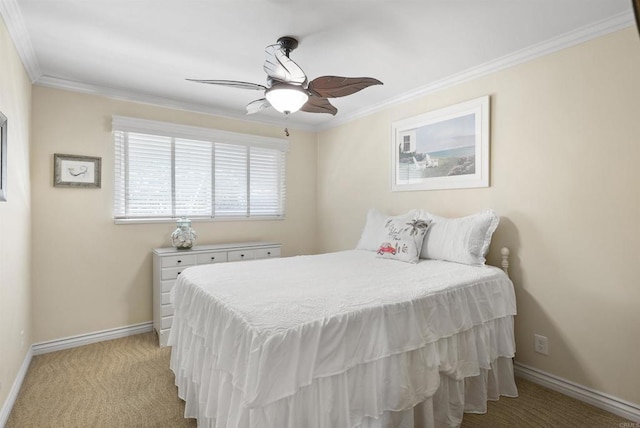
(118, 383)
(127, 383)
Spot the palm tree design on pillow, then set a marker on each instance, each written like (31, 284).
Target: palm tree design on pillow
(417, 226)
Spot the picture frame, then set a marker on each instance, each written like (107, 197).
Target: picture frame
(3, 157)
(636, 13)
(76, 171)
(446, 148)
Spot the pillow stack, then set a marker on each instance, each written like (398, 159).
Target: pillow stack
(421, 234)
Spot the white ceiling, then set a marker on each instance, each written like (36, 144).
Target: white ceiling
(144, 49)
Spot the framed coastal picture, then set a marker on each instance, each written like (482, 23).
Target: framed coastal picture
(76, 171)
(3, 157)
(442, 149)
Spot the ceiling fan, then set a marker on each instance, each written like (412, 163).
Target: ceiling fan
(288, 89)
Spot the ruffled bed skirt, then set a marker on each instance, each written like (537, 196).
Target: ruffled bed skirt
(423, 388)
(453, 398)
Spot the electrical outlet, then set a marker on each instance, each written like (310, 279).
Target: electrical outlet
(540, 344)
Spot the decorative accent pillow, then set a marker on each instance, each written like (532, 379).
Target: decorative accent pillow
(462, 240)
(374, 229)
(403, 240)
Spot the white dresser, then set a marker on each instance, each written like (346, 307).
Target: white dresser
(168, 263)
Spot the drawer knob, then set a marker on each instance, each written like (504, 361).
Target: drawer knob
(241, 255)
(213, 258)
(179, 273)
(179, 261)
(268, 253)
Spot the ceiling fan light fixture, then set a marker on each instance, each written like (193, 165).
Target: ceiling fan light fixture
(288, 89)
(287, 98)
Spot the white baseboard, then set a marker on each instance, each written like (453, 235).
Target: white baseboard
(598, 399)
(15, 388)
(85, 339)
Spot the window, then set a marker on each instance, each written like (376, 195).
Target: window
(165, 171)
(407, 143)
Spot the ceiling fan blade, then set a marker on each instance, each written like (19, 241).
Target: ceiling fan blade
(338, 86)
(258, 105)
(319, 105)
(232, 83)
(279, 67)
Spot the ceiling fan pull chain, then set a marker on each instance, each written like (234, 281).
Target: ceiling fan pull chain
(286, 129)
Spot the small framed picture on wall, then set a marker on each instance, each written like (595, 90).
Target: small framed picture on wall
(76, 171)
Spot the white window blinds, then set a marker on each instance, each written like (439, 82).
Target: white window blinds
(165, 171)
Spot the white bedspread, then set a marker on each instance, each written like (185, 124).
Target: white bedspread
(260, 344)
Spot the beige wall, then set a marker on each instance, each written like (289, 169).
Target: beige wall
(564, 178)
(90, 274)
(565, 171)
(15, 218)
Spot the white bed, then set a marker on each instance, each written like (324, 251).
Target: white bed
(341, 340)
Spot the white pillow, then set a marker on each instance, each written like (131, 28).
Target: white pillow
(374, 230)
(461, 240)
(403, 239)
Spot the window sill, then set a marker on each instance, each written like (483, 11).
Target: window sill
(193, 220)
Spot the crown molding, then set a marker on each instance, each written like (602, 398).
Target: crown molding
(10, 12)
(125, 95)
(12, 16)
(566, 40)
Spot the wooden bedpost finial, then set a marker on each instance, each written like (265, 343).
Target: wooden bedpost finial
(505, 259)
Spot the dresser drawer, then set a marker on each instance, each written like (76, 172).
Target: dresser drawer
(182, 260)
(234, 256)
(171, 273)
(265, 253)
(166, 286)
(165, 299)
(207, 258)
(166, 310)
(166, 322)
